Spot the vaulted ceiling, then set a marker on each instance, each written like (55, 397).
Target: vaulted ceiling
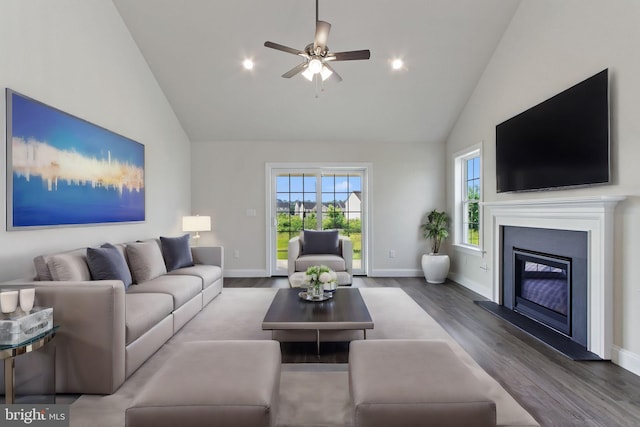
(195, 49)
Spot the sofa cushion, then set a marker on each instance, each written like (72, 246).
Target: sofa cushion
(176, 252)
(208, 273)
(107, 263)
(182, 288)
(69, 266)
(334, 262)
(145, 261)
(143, 311)
(320, 242)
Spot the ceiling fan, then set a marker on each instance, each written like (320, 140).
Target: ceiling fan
(317, 55)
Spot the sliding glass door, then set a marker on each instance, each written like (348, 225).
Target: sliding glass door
(317, 199)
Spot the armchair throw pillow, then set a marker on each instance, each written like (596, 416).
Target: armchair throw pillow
(320, 242)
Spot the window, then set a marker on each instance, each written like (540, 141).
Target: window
(468, 195)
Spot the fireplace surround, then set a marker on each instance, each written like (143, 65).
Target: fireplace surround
(592, 215)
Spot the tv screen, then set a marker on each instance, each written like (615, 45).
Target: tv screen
(561, 142)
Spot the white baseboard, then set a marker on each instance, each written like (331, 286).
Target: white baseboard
(245, 273)
(626, 359)
(471, 285)
(405, 272)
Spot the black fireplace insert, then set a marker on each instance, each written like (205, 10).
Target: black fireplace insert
(542, 288)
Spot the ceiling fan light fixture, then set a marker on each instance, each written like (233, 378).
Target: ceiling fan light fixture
(315, 66)
(325, 73)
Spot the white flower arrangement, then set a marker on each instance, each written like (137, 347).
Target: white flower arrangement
(319, 277)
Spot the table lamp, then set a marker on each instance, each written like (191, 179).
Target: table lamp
(196, 223)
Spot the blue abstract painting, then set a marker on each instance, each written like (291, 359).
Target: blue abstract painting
(64, 171)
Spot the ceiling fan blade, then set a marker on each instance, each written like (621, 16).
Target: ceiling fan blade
(295, 70)
(348, 56)
(277, 46)
(322, 34)
(335, 76)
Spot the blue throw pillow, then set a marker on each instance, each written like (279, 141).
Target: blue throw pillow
(320, 242)
(176, 252)
(108, 263)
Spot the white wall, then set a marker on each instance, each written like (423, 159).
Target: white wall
(77, 56)
(549, 46)
(229, 178)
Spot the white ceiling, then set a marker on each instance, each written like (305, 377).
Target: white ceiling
(195, 49)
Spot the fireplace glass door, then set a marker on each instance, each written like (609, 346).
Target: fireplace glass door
(543, 288)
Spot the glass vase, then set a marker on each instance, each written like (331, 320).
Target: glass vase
(316, 290)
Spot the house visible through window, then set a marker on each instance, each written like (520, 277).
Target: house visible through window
(468, 196)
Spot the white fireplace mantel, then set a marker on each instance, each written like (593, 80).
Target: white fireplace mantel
(593, 215)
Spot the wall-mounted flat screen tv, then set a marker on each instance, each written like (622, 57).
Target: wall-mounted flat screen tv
(561, 142)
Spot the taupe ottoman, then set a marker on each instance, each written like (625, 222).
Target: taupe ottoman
(414, 383)
(212, 383)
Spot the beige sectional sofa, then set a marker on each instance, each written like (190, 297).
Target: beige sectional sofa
(107, 329)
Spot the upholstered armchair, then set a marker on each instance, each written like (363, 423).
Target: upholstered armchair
(324, 247)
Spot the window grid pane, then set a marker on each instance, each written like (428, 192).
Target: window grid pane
(470, 205)
(341, 208)
(470, 224)
(296, 199)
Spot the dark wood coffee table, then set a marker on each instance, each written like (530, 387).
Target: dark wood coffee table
(345, 311)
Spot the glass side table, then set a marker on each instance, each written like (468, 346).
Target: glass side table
(8, 353)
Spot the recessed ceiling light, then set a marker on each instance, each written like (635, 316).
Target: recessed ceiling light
(397, 64)
(247, 64)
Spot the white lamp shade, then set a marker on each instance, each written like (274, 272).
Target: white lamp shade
(196, 223)
(307, 74)
(325, 73)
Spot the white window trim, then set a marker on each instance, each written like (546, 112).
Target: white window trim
(459, 188)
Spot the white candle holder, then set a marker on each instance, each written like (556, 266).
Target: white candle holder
(8, 301)
(27, 298)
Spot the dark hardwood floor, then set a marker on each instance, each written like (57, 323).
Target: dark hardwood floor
(554, 389)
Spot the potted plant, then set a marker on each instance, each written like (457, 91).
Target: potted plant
(435, 227)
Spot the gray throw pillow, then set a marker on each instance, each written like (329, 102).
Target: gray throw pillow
(320, 242)
(107, 263)
(176, 252)
(69, 266)
(145, 261)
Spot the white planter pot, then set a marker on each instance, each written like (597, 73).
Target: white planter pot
(435, 267)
